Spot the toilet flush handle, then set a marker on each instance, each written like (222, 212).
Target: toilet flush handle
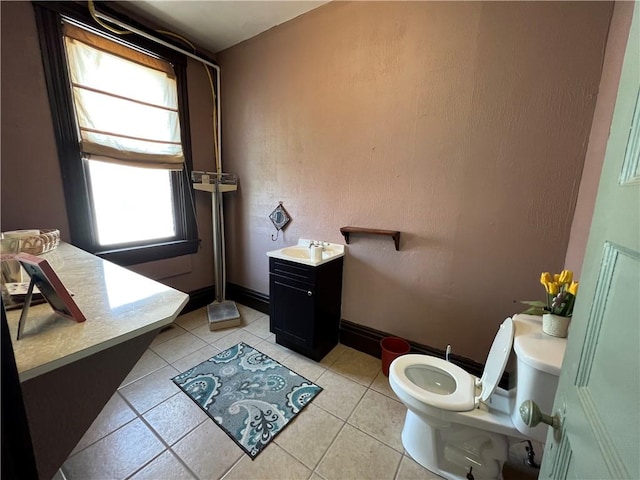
(532, 416)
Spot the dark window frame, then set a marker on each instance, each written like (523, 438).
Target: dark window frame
(75, 179)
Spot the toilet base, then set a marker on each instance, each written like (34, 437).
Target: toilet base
(451, 449)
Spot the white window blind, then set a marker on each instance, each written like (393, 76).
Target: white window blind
(126, 103)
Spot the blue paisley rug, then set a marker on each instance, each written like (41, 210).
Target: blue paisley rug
(248, 394)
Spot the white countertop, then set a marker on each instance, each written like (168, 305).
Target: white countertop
(119, 305)
(300, 253)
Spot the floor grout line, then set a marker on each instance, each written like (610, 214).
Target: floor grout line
(135, 412)
(366, 433)
(163, 441)
(229, 469)
(397, 473)
(145, 465)
(324, 455)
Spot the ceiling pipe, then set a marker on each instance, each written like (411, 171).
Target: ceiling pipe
(155, 39)
(164, 43)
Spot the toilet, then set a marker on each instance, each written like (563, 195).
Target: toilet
(458, 424)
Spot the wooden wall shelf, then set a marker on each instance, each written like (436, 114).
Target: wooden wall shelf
(346, 231)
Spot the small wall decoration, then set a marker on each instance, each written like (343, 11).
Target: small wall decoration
(280, 218)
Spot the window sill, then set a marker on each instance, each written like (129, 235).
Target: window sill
(149, 253)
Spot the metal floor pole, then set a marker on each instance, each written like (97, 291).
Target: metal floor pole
(222, 313)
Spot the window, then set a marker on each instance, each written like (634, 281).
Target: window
(121, 121)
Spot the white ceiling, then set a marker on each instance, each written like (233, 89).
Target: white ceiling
(216, 25)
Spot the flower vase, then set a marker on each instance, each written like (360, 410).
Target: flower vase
(555, 325)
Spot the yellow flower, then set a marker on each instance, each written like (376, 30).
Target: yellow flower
(573, 288)
(566, 277)
(556, 277)
(552, 288)
(545, 278)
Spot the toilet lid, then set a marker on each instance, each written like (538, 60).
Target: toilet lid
(497, 359)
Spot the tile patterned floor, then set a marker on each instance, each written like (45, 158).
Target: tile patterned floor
(150, 430)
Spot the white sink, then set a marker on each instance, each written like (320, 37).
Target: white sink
(297, 252)
(301, 253)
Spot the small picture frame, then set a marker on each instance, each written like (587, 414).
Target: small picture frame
(51, 287)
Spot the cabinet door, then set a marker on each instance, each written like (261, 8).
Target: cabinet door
(293, 310)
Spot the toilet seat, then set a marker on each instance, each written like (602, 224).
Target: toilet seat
(460, 400)
(410, 370)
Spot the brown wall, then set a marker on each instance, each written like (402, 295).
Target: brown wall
(32, 194)
(463, 125)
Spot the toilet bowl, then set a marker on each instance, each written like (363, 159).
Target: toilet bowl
(457, 423)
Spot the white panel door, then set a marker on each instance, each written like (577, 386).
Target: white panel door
(599, 393)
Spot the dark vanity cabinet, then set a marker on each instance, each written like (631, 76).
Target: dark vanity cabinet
(304, 305)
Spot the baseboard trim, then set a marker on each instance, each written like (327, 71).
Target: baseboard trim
(204, 296)
(367, 340)
(199, 298)
(359, 337)
(250, 298)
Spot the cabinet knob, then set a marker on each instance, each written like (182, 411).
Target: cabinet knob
(309, 292)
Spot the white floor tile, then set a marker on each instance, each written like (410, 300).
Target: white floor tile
(193, 319)
(211, 337)
(149, 362)
(381, 417)
(248, 314)
(117, 455)
(208, 451)
(272, 464)
(166, 466)
(381, 384)
(149, 391)
(259, 327)
(411, 470)
(185, 363)
(178, 347)
(357, 455)
(114, 415)
(330, 358)
(175, 417)
(357, 366)
(303, 366)
(339, 395)
(237, 337)
(275, 351)
(170, 331)
(297, 439)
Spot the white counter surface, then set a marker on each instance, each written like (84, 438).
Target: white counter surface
(300, 253)
(119, 305)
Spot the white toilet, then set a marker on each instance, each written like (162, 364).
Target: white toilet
(457, 423)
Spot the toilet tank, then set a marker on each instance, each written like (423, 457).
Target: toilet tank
(539, 360)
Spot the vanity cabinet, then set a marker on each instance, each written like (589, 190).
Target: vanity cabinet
(305, 305)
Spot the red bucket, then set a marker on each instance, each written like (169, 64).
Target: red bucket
(392, 348)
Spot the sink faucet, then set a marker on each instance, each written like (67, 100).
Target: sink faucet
(319, 243)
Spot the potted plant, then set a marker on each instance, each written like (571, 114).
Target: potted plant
(557, 310)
